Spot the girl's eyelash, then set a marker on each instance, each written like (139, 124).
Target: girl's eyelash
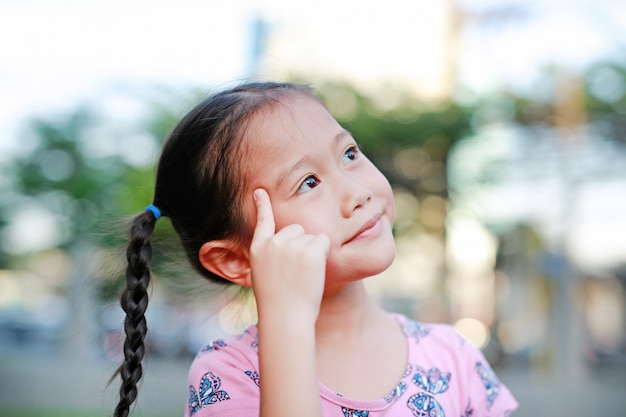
(306, 184)
(354, 149)
(311, 181)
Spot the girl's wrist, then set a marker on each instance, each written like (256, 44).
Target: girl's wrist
(287, 317)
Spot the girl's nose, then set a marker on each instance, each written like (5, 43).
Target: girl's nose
(356, 196)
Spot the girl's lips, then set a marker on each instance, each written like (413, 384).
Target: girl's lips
(369, 229)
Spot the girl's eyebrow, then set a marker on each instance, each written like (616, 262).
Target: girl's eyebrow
(283, 175)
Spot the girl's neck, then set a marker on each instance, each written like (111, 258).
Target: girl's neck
(356, 339)
(348, 312)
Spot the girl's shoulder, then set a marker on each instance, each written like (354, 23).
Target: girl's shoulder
(224, 379)
(451, 371)
(439, 343)
(242, 345)
(423, 332)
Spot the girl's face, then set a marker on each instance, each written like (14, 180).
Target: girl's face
(317, 177)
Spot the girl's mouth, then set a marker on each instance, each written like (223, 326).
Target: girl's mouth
(369, 229)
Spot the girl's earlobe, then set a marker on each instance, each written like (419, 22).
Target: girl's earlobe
(225, 259)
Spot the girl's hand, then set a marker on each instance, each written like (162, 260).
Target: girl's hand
(288, 266)
(288, 273)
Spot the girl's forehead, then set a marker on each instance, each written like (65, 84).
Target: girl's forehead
(284, 132)
(293, 117)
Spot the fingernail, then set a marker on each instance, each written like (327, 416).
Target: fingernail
(257, 194)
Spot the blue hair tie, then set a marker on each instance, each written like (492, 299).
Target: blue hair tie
(155, 211)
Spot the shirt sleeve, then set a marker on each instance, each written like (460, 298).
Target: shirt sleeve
(223, 383)
(488, 395)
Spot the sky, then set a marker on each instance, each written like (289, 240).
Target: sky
(55, 54)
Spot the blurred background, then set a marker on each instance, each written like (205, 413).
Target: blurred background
(500, 124)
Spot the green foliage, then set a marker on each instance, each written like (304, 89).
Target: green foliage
(81, 168)
(79, 188)
(388, 123)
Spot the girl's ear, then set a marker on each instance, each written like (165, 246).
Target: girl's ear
(226, 259)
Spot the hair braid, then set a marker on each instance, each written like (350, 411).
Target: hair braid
(134, 301)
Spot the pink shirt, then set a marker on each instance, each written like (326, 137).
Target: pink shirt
(445, 376)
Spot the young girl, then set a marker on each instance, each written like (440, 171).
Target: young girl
(266, 190)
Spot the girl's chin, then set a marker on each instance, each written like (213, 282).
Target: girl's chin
(373, 267)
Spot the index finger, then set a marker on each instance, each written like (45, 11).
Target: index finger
(265, 225)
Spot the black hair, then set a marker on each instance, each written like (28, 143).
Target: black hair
(199, 188)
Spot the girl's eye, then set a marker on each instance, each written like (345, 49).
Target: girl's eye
(351, 154)
(309, 183)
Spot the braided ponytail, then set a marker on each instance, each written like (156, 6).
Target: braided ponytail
(134, 301)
